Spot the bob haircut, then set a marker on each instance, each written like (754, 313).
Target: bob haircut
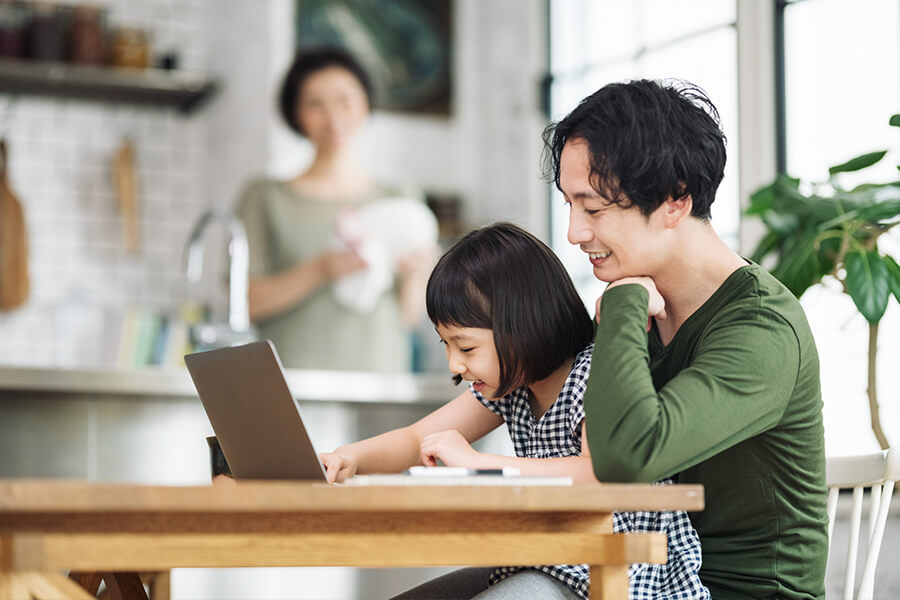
(504, 279)
(649, 140)
(312, 60)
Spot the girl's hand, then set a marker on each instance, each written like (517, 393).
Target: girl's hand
(337, 466)
(656, 306)
(448, 446)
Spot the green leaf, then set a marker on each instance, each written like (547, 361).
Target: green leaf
(829, 248)
(781, 223)
(761, 201)
(798, 267)
(895, 120)
(875, 186)
(894, 270)
(765, 246)
(860, 162)
(879, 211)
(867, 283)
(782, 195)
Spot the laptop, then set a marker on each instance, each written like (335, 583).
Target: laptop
(253, 413)
(260, 430)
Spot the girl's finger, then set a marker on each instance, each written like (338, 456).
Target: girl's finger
(343, 474)
(331, 472)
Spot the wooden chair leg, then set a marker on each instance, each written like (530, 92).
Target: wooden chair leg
(125, 586)
(89, 581)
(53, 586)
(14, 586)
(609, 582)
(159, 584)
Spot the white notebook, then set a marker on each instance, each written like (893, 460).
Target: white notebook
(442, 476)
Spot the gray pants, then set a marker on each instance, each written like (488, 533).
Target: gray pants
(472, 584)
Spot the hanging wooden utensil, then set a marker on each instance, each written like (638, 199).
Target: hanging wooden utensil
(126, 194)
(13, 242)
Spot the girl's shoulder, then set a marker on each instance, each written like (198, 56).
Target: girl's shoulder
(581, 367)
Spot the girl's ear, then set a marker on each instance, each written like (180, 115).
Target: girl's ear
(675, 210)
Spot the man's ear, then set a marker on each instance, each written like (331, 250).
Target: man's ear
(676, 210)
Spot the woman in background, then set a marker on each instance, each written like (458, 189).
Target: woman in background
(298, 249)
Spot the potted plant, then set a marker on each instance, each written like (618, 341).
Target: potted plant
(816, 230)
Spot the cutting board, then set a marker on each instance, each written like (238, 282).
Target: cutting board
(13, 241)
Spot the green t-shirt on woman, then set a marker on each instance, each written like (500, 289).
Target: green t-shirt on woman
(733, 402)
(284, 228)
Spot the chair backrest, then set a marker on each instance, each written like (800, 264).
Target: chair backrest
(876, 473)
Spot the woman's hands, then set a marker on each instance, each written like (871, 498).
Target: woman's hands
(450, 447)
(337, 263)
(338, 467)
(413, 270)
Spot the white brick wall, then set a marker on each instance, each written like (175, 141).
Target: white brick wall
(61, 157)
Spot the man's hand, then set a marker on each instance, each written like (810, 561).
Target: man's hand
(450, 447)
(337, 466)
(656, 306)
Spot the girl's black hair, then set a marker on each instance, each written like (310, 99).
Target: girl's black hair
(504, 279)
(310, 60)
(648, 140)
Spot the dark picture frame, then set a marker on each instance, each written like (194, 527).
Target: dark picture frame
(405, 45)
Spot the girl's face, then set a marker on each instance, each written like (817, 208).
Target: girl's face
(472, 355)
(331, 107)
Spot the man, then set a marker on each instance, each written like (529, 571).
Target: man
(704, 365)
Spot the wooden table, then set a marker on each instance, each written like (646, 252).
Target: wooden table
(110, 531)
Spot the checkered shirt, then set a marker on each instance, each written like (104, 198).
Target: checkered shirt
(558, 433)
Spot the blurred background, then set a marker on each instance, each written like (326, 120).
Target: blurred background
(125, 121)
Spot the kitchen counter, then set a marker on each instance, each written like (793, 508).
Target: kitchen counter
(148, 425)
(173, 382)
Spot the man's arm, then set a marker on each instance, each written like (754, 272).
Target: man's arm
(734, 389)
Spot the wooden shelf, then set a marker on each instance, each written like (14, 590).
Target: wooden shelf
(181, 90)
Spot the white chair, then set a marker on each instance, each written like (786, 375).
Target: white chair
(877, 472)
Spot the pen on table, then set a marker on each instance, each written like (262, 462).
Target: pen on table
(459, 471)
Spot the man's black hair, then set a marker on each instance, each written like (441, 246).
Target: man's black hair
(504, 279)
(649, 140)
(310, 60)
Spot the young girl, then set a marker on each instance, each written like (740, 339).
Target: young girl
(515, 329)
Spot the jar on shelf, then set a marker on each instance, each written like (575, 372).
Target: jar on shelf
(47, 31)
(130, 47)
(86, 35)
(13, 25)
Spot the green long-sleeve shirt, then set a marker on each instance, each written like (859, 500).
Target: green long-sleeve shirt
(732, 402)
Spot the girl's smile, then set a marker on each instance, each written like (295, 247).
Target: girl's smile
(471, 354)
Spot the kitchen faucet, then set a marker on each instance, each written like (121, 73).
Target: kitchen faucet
(238, 329)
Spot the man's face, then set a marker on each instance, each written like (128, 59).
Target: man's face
(620, 242)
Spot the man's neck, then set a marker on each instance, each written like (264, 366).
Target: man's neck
(697, 267)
